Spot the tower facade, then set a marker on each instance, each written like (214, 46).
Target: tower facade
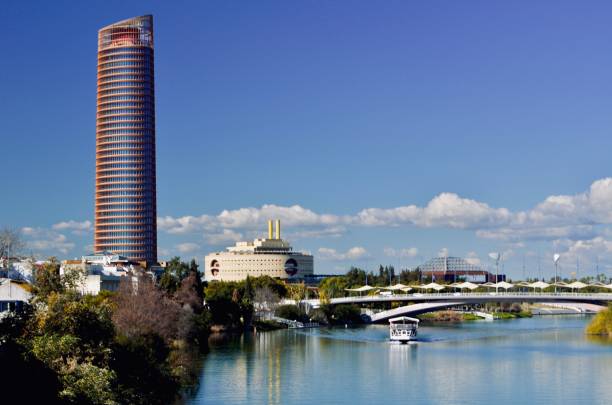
(125, 201)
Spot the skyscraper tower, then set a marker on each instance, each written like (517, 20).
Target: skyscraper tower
(125, 202)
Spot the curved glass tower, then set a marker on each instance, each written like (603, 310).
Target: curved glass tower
(125, 220)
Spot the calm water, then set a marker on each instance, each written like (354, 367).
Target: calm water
(542, 360)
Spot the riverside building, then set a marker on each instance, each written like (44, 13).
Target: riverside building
(125, 200)
(272, 257)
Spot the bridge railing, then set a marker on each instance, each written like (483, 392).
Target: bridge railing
(446, 295)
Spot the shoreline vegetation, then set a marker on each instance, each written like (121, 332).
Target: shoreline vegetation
(601, 324)
(137, 345)
(457, 316)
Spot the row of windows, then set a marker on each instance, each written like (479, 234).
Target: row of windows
(103, 101)
(127, 159)
(104, 66)
(101, 133)
(123, 49)
(138, 75)
(126, 90)
(126, 179)
(139, 56)
(124, 234)
(124, 206)
(134, 115)
(116, 200)
(109, 80)
(141, 132)
(119, 110)
(117, 175)
(140, 220)
(139, 138)
(137, 69)
(140, 84)
(118, 194)
(124, 227)
(108, 242)
(135, 152)
(137, 186)
(127, 145)
(115, 118)
(124, 166)
(123, 214)
(137, 125)
(144, 70)
(128, 104)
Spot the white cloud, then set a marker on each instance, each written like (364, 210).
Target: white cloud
(354, 253)
(249, 218)
(223, 237)
(46, 240)
(405, 252)
(76, 227)
(446, 210)
(559, 216)
(187, 247)
(443, 252)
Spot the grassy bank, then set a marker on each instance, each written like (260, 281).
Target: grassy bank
(512, 315)
(448, 316)
(601, 324)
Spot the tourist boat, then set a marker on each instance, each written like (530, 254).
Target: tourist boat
(403, 329)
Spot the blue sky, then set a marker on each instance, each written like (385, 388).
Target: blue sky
(380, 132)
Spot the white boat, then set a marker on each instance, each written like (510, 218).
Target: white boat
(403, 329)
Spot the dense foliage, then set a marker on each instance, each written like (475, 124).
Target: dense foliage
(134, 346)
(601, 323)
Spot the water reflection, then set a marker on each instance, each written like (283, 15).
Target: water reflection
(539, 360)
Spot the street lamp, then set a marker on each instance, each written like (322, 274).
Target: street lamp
(496, 256)
(556, 258)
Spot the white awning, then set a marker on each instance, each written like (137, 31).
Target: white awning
(467, 285)
(398, 286)
(432, 286)
(361, 289)
(504, 285)
(576, 285)
(539, 284)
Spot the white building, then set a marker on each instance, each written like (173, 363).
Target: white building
(273, 257)
(13, 295)
(101, 271)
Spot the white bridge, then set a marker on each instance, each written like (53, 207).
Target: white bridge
(422, 303)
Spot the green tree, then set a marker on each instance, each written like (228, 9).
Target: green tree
(175, 272)
(47, 279)
(332, 287)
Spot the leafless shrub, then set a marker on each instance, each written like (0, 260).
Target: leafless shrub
(142, 309)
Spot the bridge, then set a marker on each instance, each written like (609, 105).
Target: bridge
(422, 303)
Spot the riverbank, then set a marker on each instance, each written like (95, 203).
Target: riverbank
(456, 316)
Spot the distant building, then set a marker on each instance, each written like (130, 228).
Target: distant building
(125, 201)
(273, 257)
(452, 269)
(100, 271)
(13, 295)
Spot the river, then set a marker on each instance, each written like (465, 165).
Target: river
(539, 360)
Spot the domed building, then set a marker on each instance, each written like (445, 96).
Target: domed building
(451, 269)
(272, 257)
